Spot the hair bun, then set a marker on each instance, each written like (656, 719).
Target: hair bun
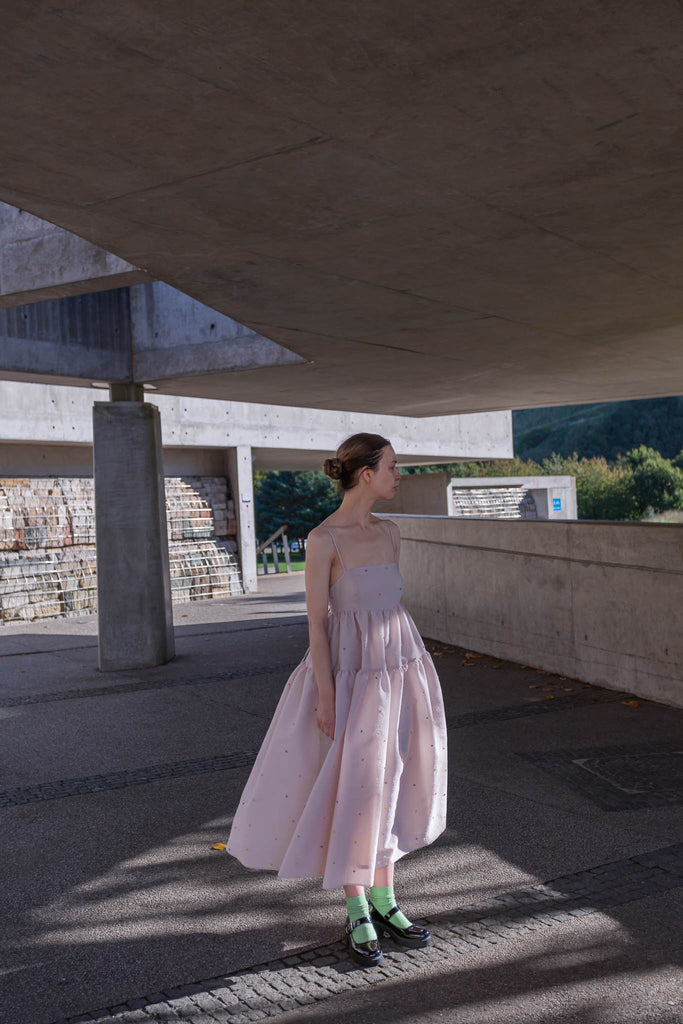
(333, 468)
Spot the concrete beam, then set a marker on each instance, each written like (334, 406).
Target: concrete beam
(41, 261)
(174, 336)
(150, 333)
(83, 337)
(281, 437)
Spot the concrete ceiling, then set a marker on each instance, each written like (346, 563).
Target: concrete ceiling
(449, 207)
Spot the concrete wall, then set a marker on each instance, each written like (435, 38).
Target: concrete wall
(544, 490)
(600, 602)
(424, 494)
(431, 494)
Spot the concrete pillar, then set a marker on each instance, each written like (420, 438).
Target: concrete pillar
(242, 483)
(133, 576)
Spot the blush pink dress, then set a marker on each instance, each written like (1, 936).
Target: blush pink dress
(340, 808)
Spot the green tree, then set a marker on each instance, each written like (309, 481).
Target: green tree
(299, 499)
(656, 483)
(604, 491)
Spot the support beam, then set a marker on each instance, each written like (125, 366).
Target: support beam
(40, 261)
(242, 483)
(133, 576)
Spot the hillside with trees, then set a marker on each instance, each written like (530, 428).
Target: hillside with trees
(606, 429)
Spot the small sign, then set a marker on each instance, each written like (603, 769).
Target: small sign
(557, 504)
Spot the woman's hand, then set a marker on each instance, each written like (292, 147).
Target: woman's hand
(325, 715)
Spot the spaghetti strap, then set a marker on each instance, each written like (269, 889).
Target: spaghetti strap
(336, 548)
(391, 534)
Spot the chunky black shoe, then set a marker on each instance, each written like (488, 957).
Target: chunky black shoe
(412, 937)
(367, 954)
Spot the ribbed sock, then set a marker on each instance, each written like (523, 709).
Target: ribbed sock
(357, 906)
(383, 900)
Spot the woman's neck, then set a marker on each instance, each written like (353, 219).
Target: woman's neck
(356, 510)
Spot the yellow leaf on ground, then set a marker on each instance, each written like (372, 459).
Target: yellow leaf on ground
(550, 696)
(219, 846)
(470, 654)
(541, 672)
(630, 703)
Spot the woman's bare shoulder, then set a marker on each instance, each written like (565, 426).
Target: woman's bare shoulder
(390, 522)
(320, 536)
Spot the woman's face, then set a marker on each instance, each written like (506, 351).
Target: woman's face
(386, 476)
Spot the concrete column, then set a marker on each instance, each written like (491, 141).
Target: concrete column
(242, 483)
(133, 576)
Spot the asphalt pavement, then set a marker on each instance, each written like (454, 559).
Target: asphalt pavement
(554, 895)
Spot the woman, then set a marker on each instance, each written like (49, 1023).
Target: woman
(352, 772)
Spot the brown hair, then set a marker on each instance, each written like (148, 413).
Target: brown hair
(354, 454)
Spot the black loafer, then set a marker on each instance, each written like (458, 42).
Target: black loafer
(412, 937)
(367, 954)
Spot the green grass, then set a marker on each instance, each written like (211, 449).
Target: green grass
(297, 563)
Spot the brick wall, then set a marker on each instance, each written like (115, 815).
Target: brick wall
(47, 544)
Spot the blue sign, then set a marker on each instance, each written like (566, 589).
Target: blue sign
(557, 504)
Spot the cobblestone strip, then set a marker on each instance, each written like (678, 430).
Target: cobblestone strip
(121, 779)
(147, 684)
(269, 989)
(462, 721)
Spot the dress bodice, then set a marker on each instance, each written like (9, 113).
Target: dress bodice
(367, 588)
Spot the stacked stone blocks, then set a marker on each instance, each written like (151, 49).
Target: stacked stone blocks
(47, 544)
(513, 502)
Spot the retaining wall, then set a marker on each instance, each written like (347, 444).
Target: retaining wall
(599, 602)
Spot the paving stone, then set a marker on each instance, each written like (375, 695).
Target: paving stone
(161, 1009)
(317, 974)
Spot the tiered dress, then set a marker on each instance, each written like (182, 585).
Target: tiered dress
(340, 808)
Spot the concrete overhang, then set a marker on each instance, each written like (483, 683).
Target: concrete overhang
(280, 437)
(442, 208)
(40, 261)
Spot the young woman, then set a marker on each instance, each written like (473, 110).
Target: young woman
(352, 772)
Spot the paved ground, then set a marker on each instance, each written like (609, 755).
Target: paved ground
(554, 895)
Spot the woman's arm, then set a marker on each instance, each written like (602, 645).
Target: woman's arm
(319, 555)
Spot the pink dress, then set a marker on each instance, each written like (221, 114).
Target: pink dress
(339, 808)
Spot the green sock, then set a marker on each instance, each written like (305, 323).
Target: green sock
(357, 906)
(383, 900)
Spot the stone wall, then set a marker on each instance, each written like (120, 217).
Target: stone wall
(47, 544)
